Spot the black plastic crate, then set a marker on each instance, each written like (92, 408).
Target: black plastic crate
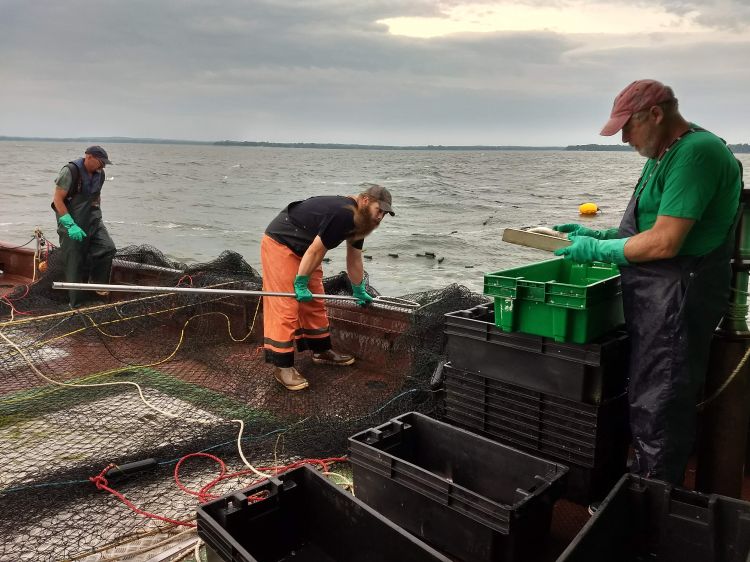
(592, 372)
(571, 429)
(468, 496)
(304, 518)
(577, 451)
(592, 440)
(647, 520)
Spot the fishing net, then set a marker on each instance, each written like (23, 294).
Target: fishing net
(157, 400)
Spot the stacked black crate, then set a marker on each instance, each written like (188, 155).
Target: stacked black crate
(563, 401)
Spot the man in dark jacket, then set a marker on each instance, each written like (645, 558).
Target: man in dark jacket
(84, 241)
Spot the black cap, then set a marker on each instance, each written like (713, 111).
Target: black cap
(99, 153)
(382, 196)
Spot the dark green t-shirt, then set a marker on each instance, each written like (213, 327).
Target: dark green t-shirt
(697, 178)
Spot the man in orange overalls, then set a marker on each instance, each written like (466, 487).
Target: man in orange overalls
(291, 254)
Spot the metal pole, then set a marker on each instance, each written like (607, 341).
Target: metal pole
(188, 290)
(124, 264)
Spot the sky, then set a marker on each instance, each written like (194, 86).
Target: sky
(406, 72)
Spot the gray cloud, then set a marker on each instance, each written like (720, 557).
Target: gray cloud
(327, 72)
(731, 15)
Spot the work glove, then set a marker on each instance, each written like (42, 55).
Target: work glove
(74, 231)
(363, 298)
(585, 249)
(574, 229)
(301, 291)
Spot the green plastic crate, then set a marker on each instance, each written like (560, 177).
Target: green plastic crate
(557, 298)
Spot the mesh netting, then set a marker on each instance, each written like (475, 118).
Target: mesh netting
(164, 376)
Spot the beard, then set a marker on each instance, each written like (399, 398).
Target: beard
(648, 151)
(364, 223)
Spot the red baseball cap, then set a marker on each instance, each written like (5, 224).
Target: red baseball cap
(638, 96)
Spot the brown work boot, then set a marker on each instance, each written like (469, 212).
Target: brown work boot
(330, 357)
(290, 378)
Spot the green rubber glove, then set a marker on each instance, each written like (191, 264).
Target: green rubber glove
(585, 249)
(363, 298)
(74, 231)
(301, 291)
(574, 229)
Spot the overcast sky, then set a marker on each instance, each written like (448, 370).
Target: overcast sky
(406, 72)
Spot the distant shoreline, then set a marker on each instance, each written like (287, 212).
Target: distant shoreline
(737, 148)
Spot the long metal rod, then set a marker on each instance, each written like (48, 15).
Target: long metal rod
(124, 264)
(188, 290)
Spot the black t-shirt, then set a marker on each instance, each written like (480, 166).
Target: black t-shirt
(329, 216)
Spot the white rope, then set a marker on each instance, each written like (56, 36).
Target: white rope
(197, 551)
(143, 399)
(348, 483)
(147, 548)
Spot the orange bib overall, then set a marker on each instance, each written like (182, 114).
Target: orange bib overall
(286, 321)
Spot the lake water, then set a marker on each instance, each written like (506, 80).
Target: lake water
(192, 202)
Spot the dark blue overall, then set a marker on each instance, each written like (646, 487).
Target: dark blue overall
(672, 307)
(91, 258)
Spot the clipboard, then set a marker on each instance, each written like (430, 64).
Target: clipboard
(534, 239)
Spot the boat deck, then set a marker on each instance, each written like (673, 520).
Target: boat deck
(16, 267)
(194, 371)
(243, 378)
(9, 282)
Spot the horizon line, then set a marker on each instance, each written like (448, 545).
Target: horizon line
(332, 145)
(226, 142)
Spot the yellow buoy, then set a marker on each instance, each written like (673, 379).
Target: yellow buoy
(588, 209)
(42, 266)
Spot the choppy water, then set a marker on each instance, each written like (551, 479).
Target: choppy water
(192, 202)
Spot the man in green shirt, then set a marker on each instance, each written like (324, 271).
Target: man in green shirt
(673, 248)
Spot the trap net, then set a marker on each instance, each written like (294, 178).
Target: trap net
(119, 417)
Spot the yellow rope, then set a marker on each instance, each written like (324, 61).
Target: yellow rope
(99, 307)
(726, 383)
(28, 360)
(126, 319)
(130, 367)
(73, 312)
